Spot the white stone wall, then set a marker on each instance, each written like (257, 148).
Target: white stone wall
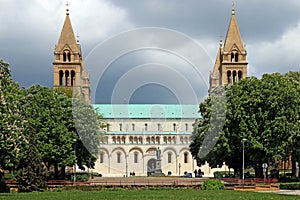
(118, 150)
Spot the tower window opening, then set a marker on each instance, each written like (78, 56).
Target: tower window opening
(72, 77)
(240, 73)
(236, 57)
(64, 56)
(186, 127)
(67, 74)
(234, 77)
(232, 57)
(133, 127)
(228, 76)
(61, 78)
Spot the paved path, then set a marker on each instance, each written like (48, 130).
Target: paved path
(289, 192)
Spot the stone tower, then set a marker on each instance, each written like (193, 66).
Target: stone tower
(231, 63)
(69, 71)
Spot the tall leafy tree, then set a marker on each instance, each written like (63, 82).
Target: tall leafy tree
(12, 141)
(265, 112)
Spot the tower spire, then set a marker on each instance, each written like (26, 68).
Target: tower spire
(67, 8)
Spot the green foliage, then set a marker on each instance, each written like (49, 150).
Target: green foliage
(81, 177)
(211, 184)
(32, 176)
(221, 174)
(12, 140)
(264, 111)
(290, 186)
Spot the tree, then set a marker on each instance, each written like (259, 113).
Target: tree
(32, 176)
(265, 112)
(49, 115)
(12, 141)
(58, 120)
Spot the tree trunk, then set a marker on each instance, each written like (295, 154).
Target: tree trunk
(258, 171)
(63, 172)
(293, 166)
(56, 171)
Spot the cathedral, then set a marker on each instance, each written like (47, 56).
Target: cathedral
(134, 132)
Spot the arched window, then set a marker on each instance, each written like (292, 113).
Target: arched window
(158, 127)
(107, 127)
(131, 140)
(133, 127)
(157, 140)
(148, 140)
(65, 56)
(101, 157)
(232, 57)
(169, 157)
(146, 127)
(234, 76)
(61, 77)
(120, 125)
(140, 140)
(228, 76)
(72, 77)
(67, 74)
(185, 160)
(240, 74)
(136, 157)
(118, 157)
(174, 127)
(236, 57)
(186, 127)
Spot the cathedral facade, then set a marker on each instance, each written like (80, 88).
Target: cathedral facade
(134, 132)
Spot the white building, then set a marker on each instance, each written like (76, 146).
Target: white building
(134, 133)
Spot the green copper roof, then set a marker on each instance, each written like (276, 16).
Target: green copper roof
(147, 111)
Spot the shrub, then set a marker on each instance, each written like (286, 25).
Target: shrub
(222, 174)
(290, 186)
(211, 184)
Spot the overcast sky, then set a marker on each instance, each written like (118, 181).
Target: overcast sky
(30, 30)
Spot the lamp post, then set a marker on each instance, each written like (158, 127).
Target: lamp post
(243, 142)
(179, 165)
(74, 140)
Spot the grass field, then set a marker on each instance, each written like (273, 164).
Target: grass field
(155, 193)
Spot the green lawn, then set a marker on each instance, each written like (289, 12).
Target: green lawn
(140, 194)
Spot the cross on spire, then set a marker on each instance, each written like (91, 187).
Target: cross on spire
(77, 36)
(232, 7)
(67, 9)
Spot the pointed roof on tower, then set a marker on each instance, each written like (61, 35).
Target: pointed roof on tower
(233, 36)
(67, 36)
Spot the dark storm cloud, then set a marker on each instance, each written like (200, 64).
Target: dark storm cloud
(30, 30)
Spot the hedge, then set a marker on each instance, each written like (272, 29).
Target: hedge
(290, 186)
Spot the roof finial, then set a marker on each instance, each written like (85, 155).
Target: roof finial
(67, 9)
(77, 38)
(232, 12)
(221, 41)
